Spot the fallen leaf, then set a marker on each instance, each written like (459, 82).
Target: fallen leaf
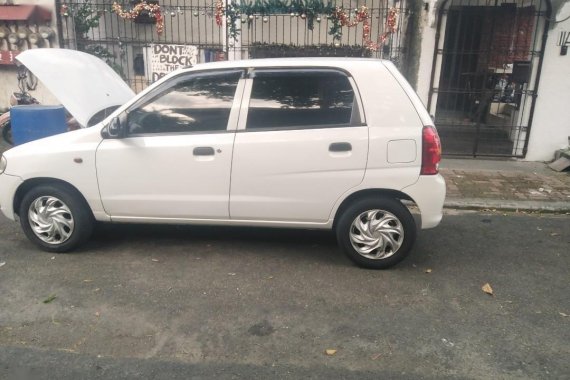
(487, 289)
(374, 357)
(50, 298)
(2, 263)
(563, 314)
(97, 314)
(330, 351)
(428, 270)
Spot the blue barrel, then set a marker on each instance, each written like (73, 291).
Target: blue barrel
(32, 122)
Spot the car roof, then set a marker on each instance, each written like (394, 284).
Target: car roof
(344, 63)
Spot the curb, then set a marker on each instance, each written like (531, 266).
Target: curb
(507, 205)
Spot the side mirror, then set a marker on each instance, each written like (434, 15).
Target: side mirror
(116, 128)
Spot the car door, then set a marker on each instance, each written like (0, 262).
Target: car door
(175, 160)
(301, 143)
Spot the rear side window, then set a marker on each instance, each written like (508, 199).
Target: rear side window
(300, 99)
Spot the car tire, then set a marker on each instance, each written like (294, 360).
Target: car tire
(56, 217)
(376, 233)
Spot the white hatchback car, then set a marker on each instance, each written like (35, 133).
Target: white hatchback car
(304, 143)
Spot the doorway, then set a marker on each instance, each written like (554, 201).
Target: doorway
(487, 67)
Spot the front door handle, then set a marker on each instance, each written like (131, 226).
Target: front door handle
(340, 147)
(204, 151)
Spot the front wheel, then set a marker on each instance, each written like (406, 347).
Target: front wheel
(376, 233)
(56, 218)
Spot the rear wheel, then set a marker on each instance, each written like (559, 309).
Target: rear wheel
(376, 233)
(56, 218)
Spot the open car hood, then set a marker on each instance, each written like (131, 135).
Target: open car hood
(83, 83)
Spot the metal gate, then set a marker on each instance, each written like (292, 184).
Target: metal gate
(485, 74)
(142, 40)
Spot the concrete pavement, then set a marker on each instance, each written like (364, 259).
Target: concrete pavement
(505, 185)
(167, 302)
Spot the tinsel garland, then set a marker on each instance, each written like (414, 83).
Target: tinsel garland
(340, 18)
(64, 10)
(391, 25)
(247, 11)
(219, 13)
(153, 11)
(309, 10)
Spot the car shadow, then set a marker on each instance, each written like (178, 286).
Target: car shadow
(319, 245)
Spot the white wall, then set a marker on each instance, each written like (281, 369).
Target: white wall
(551, 122)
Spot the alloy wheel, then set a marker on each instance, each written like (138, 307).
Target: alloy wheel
(51, 220)
(376, 234)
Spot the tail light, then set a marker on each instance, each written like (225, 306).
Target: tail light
(431, 151)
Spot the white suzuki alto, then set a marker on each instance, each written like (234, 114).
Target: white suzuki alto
(341, 144)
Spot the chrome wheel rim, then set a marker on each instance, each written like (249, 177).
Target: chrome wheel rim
(376, 234)
(51, 220)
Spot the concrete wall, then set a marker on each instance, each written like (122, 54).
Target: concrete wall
(551, 123)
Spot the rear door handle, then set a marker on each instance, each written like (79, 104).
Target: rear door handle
(340, 147)
(204, 151)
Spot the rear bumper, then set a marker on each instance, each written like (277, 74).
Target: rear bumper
(429, 194)
(8, 186)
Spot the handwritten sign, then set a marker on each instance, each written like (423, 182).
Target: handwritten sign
(164, 58)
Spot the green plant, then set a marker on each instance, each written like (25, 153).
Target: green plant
(85, 18)
(107, 56)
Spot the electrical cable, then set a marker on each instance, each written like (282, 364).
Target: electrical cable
(557, 22)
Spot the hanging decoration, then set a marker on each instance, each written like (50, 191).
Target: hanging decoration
(305, 9)
(152, 11)
(309, 10)
(340, 18)
(219, 13)
(64, 10)
(247, 11)
(391, 25)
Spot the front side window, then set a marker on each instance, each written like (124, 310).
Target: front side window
(201, 103)
(300, 99)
